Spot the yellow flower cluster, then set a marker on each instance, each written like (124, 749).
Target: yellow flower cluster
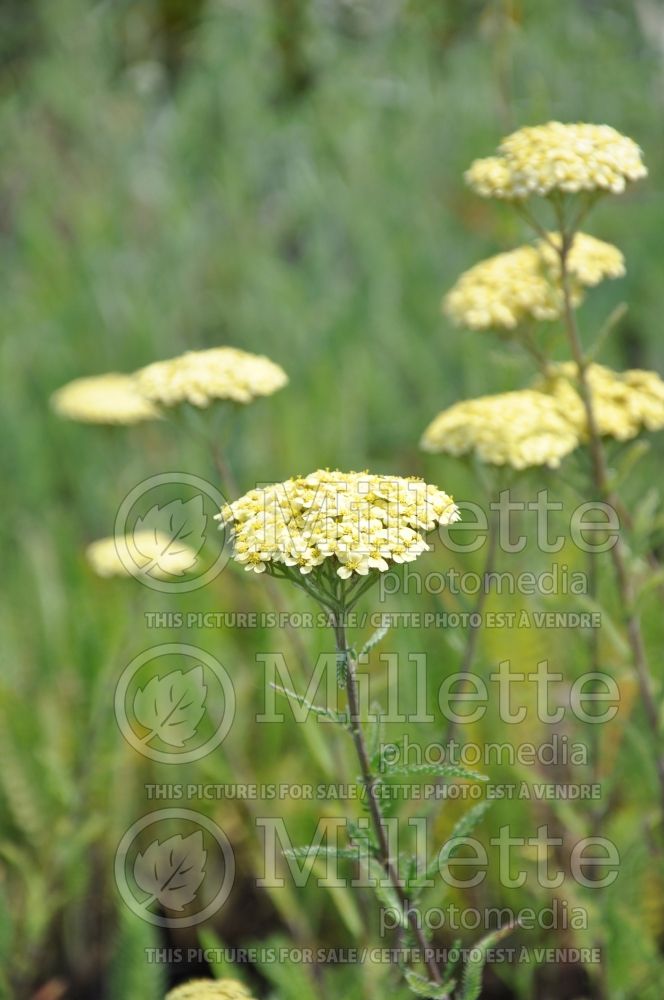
(520, 429)
(151, 553)
(210, 989)
(524, 284)
(103, 399)
(558, 157)
(360, 521)
(199, 377)
(624, 403)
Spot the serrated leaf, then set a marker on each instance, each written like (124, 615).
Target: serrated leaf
(374, 639)
(462, 828)
(422, 987)
(441, 770)
(171, 872)
(471, 986)
(321, 710)
(171, 707)
(313, 851)
(176, 534)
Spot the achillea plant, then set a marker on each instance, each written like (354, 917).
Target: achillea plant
(332, 534)
(569, 168)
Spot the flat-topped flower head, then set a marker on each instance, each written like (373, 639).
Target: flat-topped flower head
(512, 288)
(103, 399)
(143, 553)
(624, 403)
(200, 377)
(210, 989)
(519, 429)
(350, 523)
(557, 157)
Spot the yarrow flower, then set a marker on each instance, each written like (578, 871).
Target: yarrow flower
(520, 429)
(524, 284)
(358, 521)
(103, 399)
(149, 553)
(210, 989)
(558, 157)
(199, 377)
(624, 403)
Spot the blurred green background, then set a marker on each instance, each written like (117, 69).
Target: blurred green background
(286, 177)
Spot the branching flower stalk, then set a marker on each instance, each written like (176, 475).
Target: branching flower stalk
(571, 166)
(602, 483)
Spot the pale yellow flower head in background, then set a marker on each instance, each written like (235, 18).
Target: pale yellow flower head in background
(148, 553)
(624, 403)
(361, 522)
(558, 157)
(512, 288)
(200, 377)
(520, 429)
(210, 989)
(103, 399)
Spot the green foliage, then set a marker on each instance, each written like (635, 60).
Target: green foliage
(286, 178)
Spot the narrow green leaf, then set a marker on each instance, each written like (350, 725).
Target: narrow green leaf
(422, 987)
(374, 639)
(472, 977)
(320, 710)
(440, 770)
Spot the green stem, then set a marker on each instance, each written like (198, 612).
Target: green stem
(370, 781)
(619, 555)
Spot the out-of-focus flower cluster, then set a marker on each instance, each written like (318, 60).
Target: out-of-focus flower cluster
(524, 284)
(557, 157)
(196, 377)
(519, 429)
(624, 403)
(210, 989)
(199, 377)
(103, 399)
(360, 521)
(150, 553)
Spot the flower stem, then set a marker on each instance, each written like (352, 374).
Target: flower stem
(601, 481)
(370, 780)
